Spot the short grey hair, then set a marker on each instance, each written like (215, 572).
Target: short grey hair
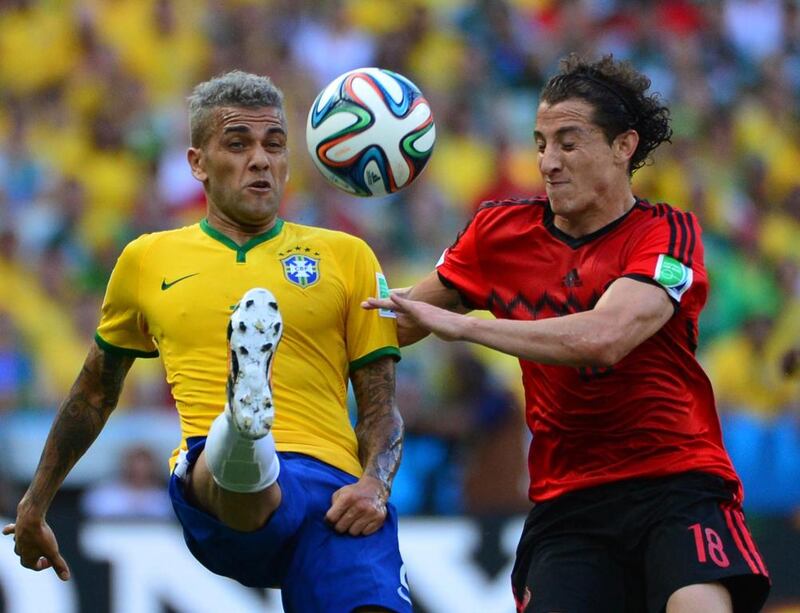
(235, 88)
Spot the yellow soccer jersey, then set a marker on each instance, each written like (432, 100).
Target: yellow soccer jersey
(172, 293)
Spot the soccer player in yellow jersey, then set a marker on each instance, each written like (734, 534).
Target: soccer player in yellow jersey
(271, 483)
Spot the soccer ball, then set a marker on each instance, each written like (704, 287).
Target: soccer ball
(370, 132)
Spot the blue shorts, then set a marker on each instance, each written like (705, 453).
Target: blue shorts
(317, 569)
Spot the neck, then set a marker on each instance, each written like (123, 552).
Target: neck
(597, 217)
(238, 232)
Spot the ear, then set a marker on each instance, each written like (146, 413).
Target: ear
(197, 163)
(624, 145)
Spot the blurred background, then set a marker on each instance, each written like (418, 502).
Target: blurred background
(93, 134)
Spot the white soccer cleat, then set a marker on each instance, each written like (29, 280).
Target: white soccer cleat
(254, 332)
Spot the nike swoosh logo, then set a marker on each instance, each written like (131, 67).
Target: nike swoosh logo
(165, 285)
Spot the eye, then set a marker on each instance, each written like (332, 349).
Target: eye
(568, 146)
(540, 147)
(236, 145)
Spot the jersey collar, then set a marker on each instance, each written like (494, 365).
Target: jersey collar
(575, 243)
(241, 250)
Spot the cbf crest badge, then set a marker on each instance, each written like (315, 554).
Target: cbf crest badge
(301, 270)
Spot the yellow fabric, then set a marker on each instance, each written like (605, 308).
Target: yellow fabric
(760, 132)
(665, 180)
(438, 60)
(46, 327)
(463, 168)
(38, 47)
(326, 332)
(166, 54)
(746, 378)
(58, 346)
(779, 237)
(377, 16)
(63, 146)
(112, 179)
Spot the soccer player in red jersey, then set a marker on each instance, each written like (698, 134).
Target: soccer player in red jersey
(636, 504)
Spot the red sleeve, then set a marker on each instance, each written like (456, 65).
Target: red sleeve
(669, 253)
(460, 266)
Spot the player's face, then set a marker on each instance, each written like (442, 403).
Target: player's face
(244, 166)
(581, 170)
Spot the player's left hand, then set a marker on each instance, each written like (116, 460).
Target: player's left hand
(358, 509)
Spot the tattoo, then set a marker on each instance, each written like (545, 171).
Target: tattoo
(380, 428)
(79, 420)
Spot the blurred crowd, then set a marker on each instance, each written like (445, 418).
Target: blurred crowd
(93, 133)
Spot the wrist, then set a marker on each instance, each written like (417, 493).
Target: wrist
(384, 488)
(31, 511)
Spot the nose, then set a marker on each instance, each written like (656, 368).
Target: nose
(260, 159)
(549, 160)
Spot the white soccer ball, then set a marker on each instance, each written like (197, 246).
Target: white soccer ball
(370, 132)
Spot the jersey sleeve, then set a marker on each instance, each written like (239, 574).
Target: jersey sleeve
(669, 254)
(122, 327)
(460, 267)
(369, 334)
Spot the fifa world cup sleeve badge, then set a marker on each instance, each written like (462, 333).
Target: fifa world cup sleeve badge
(674, 276)
(383, 293)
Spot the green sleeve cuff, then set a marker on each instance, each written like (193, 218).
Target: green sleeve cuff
(134, 353)
(393, 352)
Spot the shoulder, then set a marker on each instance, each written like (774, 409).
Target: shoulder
(511, 206)
(497, 214)
(667, 215)
(139, 247)
(336, 239)
(149, 239)
(521, 210)
(677, 232)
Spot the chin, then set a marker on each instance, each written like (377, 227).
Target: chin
(558, 204)
(263, 208)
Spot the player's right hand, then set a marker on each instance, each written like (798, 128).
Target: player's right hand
(37, 548)
(447, 325)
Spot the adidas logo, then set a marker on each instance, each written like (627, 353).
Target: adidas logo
(571, 279)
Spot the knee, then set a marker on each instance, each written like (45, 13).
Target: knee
(701, 598)
(247, 512)
(239, 511)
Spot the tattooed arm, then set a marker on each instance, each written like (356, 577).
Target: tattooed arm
(360, 508)
(79, 420)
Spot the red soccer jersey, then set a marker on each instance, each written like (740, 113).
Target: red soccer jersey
(651, 414)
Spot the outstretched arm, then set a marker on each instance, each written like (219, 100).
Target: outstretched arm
(431, 290)
(627, 314)
(360, 508)
(79, 420)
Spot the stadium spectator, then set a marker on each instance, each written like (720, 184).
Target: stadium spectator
(327, 44)
(748, 371)
(491, 439)
(138, 491)
(317, 510)
(16, 368)
(598, 293)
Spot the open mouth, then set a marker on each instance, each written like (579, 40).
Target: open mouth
(263, 185)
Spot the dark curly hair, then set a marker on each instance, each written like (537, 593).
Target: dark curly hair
(617, 92)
